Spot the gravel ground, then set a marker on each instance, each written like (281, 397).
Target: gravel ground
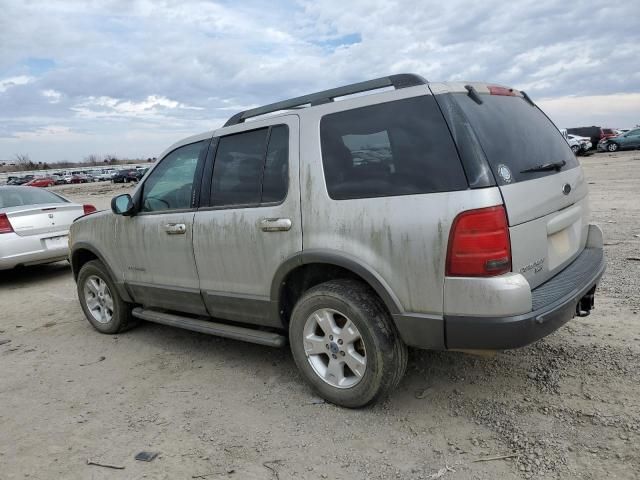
(567, 406)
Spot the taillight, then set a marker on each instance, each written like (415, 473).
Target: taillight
(5, 224)
(89, 209)
(496, 90)
(479, 244)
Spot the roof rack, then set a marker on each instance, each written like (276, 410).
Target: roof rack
(402, 80)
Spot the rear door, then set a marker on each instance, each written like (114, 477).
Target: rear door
(546, 206)
(252, 221)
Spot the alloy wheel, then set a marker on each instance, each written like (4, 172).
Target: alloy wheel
(98, 299)
(334, 348)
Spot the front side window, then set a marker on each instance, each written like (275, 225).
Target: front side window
(170, 185)
(396, 148)
(251, 168)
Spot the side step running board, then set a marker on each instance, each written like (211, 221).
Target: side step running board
(212, 328)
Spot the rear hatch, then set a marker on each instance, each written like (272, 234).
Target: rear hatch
(541, 181)
(41, 219)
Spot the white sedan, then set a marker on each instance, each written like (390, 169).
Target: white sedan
(585, 142)
(34, 225)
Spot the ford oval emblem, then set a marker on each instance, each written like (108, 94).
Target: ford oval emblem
(566, 189)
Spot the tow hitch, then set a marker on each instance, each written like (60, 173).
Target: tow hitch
(584, 306)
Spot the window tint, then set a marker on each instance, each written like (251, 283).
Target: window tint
(170, 185)
(237, 169)
(276, 168)
(19, 196)
(515, 135)
(395, 148)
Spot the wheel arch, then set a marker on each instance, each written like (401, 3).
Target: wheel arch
(82, 253)
(311, 267)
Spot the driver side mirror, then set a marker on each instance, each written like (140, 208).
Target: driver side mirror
(123, 205)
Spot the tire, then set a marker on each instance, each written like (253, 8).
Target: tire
(378, 343)
(575, 149)
(612, 147)
(120, 318)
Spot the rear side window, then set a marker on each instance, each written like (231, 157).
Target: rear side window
(22, 196)
(395, 148)
(515, 136)
(276, 167)
(251, 167)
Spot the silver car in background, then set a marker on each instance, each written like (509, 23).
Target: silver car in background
(34, 225)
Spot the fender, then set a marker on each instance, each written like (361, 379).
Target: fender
(340, 259)
(124, 294)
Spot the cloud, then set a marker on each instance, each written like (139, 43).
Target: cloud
(151, 107)
(133, 76)
(10, 82)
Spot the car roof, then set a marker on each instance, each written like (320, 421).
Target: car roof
(302, 104)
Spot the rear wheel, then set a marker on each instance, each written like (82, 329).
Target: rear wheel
(100, 301)
(345, 344)
(612, 147)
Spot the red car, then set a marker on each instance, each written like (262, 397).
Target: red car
(41, 182)
(78, 179)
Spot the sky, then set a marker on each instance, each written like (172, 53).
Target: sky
(130, 77)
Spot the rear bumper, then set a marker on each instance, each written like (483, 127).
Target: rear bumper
(16, 250)
(554, 305)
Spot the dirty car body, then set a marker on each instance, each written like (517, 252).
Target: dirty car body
(439, 198)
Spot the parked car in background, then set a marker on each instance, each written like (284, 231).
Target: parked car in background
(433, 215)
(584, 142)
(20, 180)
(78, 178)
(126, 176)
(627, 141)
(574, 143)
(594, 133)
(34, 225)
(105, 175)
(41, 182)
(59, 179)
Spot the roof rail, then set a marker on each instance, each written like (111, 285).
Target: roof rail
(402, 80)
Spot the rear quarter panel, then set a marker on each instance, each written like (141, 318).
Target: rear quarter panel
(401, 238)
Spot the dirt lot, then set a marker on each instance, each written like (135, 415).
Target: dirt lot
(565, 407)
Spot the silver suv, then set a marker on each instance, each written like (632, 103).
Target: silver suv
(431, 215)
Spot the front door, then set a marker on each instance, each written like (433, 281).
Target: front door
(252, 222)
(632, 139)
(156, 244)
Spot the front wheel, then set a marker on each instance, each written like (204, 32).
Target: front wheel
(100, 301)
(612, 147)
(344, 342)
(575, 149)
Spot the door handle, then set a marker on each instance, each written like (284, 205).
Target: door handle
(275, 224)
(175, 228)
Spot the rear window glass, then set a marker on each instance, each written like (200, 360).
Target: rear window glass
(516, 135)
(395, 148)
(19, 196)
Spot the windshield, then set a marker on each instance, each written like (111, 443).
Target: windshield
(17, 197)
(515, 137)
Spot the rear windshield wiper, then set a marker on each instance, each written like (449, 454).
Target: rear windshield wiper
(545, 167)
